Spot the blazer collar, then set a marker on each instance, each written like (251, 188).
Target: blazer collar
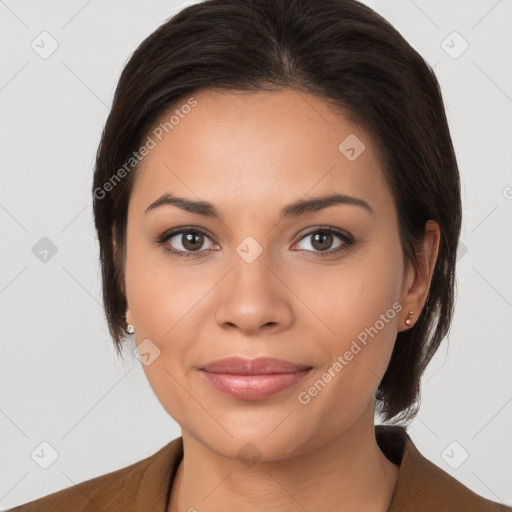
(418, 485)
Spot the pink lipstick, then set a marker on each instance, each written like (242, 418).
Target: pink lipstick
(253, 379)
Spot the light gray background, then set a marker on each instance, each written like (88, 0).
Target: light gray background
(61, 381)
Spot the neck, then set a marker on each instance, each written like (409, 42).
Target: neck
(345, 473)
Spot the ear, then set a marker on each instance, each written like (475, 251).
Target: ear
(417, 282)
(115, 250)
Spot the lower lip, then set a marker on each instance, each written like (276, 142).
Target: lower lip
(253, 387)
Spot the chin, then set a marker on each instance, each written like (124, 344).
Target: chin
(256, 440)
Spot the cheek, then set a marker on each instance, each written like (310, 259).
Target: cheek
(160, 295)
(348, 298)
(162, 301)
(358, 304)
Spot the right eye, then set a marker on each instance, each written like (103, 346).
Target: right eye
(184, 242)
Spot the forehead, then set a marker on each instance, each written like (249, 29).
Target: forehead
(257, 148)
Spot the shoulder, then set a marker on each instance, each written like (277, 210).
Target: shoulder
(442, 492)
(423, 486)
(110, 492)
(94, 494)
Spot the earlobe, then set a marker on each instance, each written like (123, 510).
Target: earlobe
(417, 290)
(129, 329)
(409, 319)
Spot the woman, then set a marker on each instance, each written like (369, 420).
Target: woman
(278, 208)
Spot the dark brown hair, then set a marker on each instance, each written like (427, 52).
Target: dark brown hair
(341, 51)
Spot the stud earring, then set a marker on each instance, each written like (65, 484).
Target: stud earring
(129, 329)
(408, 321)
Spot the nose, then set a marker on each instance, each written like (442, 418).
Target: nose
(253, 298)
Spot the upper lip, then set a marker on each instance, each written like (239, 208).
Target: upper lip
(261, 365)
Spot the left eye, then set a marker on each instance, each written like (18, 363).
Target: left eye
(322, 241)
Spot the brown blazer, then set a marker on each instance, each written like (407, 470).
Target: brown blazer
(144, 486)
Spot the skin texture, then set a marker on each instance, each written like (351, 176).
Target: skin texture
(251, 155)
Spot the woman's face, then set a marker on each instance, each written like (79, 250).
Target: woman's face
(259, 282)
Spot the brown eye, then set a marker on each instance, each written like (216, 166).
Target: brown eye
(323, 241)
(192, 241)
(185, 242)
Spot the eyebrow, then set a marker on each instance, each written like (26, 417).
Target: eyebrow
(296, 209)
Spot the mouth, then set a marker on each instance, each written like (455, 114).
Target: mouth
(262, 365)
(253, 379)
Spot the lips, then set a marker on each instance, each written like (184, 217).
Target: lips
(253, 379)
(259, 366)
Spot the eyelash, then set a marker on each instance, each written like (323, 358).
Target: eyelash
(347, 240)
